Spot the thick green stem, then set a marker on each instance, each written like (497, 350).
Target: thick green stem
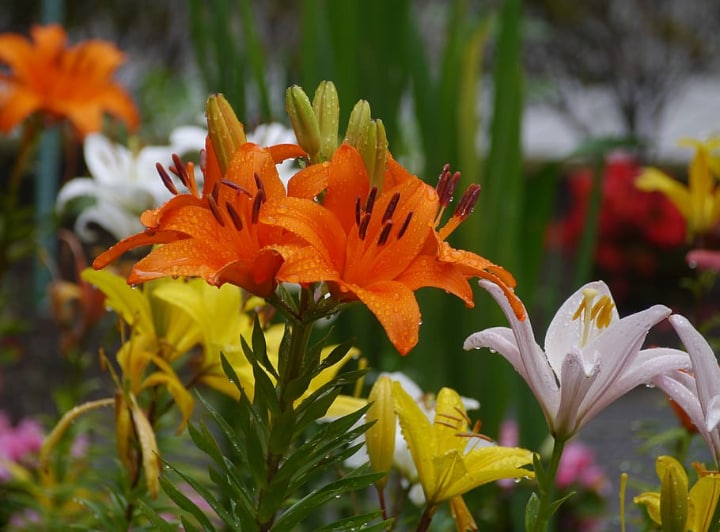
(426, 518)
(547, 491)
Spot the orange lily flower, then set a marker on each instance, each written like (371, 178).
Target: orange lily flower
(66, 82)
(216, 234)
(374, 246)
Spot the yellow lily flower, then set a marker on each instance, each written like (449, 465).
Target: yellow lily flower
(674, 507)
(211, 311)
(160, 334)
(450, 459)
(699, 200)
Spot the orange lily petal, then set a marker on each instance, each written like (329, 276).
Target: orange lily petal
(395, 307)
(281, 152)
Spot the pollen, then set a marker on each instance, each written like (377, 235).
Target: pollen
(595, 315)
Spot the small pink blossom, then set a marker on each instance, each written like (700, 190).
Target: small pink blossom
(577, 467)
(704, 259)
(18, 444)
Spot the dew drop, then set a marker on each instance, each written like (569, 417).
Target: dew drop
(649, 385)
(491, 350)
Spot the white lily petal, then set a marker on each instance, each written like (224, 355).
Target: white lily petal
(185, 139)
(712, 417)
(112, 219)
(647, 364)
(564, 332)
(79, 187)
(107, 162)
(705, 366)
(575, 381)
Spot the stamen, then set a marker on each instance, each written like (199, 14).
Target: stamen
(215, 192)
(236, 187)
(362, 230)
(358, 208)
(446, 185)
(370, 203)
(392, 205)
(257, 202)
(180, 170)
(384, 234)
(215, 211)
(166, 179)
(468, 201)
(259, 183)
(234, 216)
(405, 225)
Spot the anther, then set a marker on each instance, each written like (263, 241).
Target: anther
(447, 183)
(180, 170)
(236, 187)
(370, 203)
(166, 179)
(405, 225)
(392, 205)
(257, 202)
(234, 216)
(362, 230)
(215, 210)
(259, 183)
(358, 208)
(468, 201)
(384, 234)
(214, 193)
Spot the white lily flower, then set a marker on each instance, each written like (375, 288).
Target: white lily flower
(697, 393)
(591, 356)
(123, 183)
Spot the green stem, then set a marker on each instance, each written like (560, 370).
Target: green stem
(547, 491)
(426, 518)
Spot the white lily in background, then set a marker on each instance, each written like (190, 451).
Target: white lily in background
(124, 182)
(697, 393)
(591, 356)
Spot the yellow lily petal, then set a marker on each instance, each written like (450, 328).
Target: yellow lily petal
(703, 500)
(651, 501)
(148, 447)
(654, 180)
(461, 514)
(130, 304)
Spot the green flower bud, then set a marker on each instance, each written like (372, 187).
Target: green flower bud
(673, 494)
(358, 123)
(225, 130)
(326, 106)
(304, 121)
(380, 438)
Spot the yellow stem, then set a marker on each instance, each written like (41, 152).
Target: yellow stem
(64, 423)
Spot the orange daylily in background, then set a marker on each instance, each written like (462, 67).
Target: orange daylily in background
(376, 246)
(217, 235)
(63, 82)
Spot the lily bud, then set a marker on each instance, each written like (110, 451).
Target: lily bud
(673, 493)
(226, 131)
(378, 153)
(304, 121)
(358, 123)
(380, 438)
(326, 107)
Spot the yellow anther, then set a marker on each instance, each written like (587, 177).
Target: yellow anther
(593, 316)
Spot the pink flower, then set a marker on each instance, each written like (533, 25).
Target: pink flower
(577, 467)
(704, 259)
(18, 444)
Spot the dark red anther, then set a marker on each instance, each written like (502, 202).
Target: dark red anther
(447, 183)
(370, 203)
(468, 201)
(215, 210)
(405, 225)
(358, 208)
(362, 230)
(257, 202)
(166, 179)
(179, 170)
(236, 187)
(215, 193)
(259, 183)
(392, 205)
(384, 234)
(234, 216)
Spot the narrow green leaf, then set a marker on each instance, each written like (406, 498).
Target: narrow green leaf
(185, 503)
(314, 500)
(359, 522)
(157, 522)
(259, 347)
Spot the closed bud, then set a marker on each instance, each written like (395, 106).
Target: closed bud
(380, 438)
(326, 107)
(673, 493)
(358, 123)
(225, 130)
(304, 121)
